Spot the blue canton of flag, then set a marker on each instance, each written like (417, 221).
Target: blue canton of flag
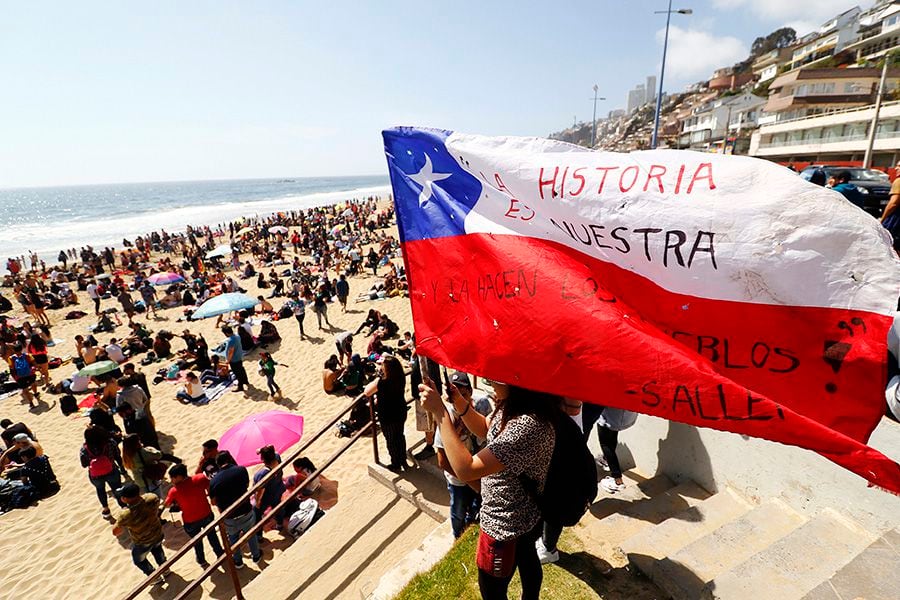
(432, 193)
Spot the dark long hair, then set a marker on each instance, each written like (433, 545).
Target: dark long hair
(96, 438)
(520, 401)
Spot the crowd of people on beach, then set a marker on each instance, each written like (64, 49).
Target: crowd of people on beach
(126, 459)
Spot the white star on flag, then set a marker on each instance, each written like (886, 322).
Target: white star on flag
(425, 178)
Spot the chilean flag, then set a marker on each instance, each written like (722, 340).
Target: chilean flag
(719, 291)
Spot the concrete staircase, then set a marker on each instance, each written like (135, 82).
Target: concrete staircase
(694, 545)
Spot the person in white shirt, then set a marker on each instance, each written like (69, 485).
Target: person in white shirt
(94, 295)
(114, 352)
(192, 391)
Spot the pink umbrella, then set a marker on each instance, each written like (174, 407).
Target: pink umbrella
(276, 427)
(165, 278)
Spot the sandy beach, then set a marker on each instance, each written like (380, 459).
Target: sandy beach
(63, 548)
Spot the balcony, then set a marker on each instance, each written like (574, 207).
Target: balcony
(835, 139)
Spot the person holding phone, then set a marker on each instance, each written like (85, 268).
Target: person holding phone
(520, 440)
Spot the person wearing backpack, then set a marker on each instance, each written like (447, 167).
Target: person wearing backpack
(100, 456)
(21, 367)
(521, 437)
(581, 480)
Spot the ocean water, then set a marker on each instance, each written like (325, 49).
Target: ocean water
(47, 220)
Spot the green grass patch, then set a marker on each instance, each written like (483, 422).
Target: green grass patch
(578, 574)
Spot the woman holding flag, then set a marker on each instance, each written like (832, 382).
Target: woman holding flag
(520, 439)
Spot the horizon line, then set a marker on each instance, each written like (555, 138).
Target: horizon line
(285, 177)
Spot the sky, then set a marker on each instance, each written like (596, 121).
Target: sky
(107, 92)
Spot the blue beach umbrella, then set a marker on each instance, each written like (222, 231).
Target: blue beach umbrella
(224, 303)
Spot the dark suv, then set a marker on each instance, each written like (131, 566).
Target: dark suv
(874, 185)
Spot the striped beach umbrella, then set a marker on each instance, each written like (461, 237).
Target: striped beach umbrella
(165, 278)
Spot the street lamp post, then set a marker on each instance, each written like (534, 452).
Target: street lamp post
(594, 122)
(662, 69)
(873, 126)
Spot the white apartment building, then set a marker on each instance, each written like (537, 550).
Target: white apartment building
(810, 92)
(832, 37)
(766, 66)
(838, 137)
(710, 122)
(878, 33)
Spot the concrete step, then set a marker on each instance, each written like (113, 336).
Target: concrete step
(648, 502)
(343, 555)
(795, 564)
(685, 573)
(874, 574)
(417, 486)
(431, 551)
(645, 548)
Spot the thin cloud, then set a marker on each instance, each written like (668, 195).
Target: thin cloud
(696, 54)
(784, 10)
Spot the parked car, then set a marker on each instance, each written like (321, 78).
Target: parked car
(874, 185)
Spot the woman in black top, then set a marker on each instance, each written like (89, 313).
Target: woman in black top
(390, 406)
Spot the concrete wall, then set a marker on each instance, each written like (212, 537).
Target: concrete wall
(760, 469)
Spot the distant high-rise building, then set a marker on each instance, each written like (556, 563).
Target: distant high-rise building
(651, 89)
(636, 98)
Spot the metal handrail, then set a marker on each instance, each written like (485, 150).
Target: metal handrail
(223, 514)
(229, 548)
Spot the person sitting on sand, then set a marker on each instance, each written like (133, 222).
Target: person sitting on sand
(36, 473)
(172, 297)
(321, 489)
(193, 391)
(372, 320)
(217, 372)
(13, 455)
(114, 352)
(89, 352)
(264, 306)
(11, 430)
(161, 346)
(268, 334)
(354, 375)
(331, 376)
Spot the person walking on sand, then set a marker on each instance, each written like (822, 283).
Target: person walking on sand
(298, 308)
(94, 294)
(148, 295)
(190, 495)
(343, 291)
(141, 519)
(37, 348)
(21, 366)
(234, 356)
(100, 456)
(127, 303)
(225, 488)
(320, 305)
(267, 369)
